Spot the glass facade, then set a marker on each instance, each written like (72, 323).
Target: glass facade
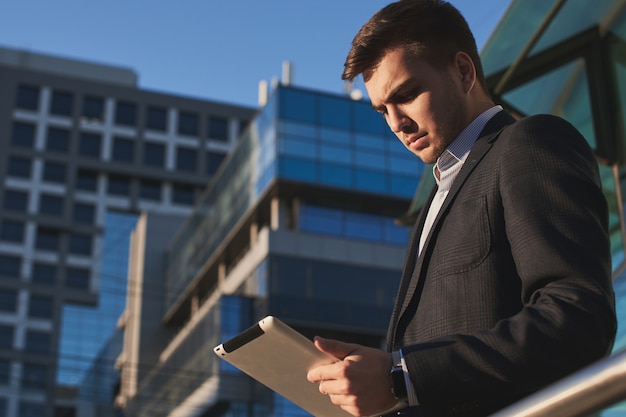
(300, 136)
(85, 330)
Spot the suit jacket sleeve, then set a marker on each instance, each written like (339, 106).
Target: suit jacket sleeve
(549, 254)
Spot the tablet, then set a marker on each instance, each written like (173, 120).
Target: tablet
(279, 357)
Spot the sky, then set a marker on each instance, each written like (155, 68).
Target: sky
(210, 49)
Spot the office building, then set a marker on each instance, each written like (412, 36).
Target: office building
(300, 223)
(83, 147)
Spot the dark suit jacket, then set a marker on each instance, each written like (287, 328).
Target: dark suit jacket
(513, 288)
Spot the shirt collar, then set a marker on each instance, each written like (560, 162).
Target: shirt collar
(460, 147)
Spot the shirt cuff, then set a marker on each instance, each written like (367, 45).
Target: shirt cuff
(411, 397)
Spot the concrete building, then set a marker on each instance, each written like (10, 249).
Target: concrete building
(81, 144)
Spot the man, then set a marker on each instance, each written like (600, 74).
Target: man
(506, 286)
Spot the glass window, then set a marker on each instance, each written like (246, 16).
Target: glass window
(37, 342)
(186, 159)
(51, 204)
(118, 185)
(336, 175)
(58, 139)
(40, 307)
(125, 113)
(188, 123)
(156, 118)
(93, 108)
(61, 103)
(23, 134)
(334, 112)
(218, 128)
(15, 200)
(10, 266)
(84, 213)
(336, 154)
(367, 120)
(183, 194)
(54, 172)
(47, 239)
(44, 273)
(295, 147)
(12, 231)
(90, 145)
(8, 300)
(154, 154)
(86, 180)
(321, 220)
(5, 378)
(123, 150)
(243, 124)
(77, 278)
(27, 97)
(19, 167)
(80, 244)
(6, 336)
(150, 190)
(297, 105)
(214, 160)
(30, 409)
(34, 376)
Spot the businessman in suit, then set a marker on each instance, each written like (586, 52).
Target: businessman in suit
(507, 279)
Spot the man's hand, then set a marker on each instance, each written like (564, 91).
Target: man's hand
(360, 382)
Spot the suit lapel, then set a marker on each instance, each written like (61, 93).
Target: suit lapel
(412, 273)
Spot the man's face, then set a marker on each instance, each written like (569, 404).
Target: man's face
(424, 106)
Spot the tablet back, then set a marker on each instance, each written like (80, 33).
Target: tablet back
(279, 357)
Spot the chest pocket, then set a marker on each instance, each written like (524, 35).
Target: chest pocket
(464, 238)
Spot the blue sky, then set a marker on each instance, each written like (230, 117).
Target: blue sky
(216, 50)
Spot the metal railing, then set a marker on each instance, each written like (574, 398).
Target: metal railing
(589, 390)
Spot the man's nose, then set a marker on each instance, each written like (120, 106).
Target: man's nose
(396, 119)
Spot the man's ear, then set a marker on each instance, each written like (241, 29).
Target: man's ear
(466, 70)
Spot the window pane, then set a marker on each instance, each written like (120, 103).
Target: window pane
(218, 128)
(58, 139)
(19, 167)
(118, 185)
(89, 145)
(23, 135)
(44, 274)
(123, 150)
(154, 154)
(5, 377)
(15, 200)
(51, 204)
(186, 159)
(77, 278)
(125, 113)
(27, 97)
(12, 231)
(47, 239)
(34, 376)
(8, 300)
(40, 307)
(61, 103)
(183, 194)
(188, 123)
(150, 190)
(93, 109)
(156, 118)
(10, 266)
(29, 409)
(84, 213)
(214, 161)
(54, 172)
(37, 342)
(86, 180)
(6, 336)
(80, 244)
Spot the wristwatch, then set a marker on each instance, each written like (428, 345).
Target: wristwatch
(398, 385)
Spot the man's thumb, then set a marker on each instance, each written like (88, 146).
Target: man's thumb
(334, 347)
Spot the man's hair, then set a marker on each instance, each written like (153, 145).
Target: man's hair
(430, 29)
